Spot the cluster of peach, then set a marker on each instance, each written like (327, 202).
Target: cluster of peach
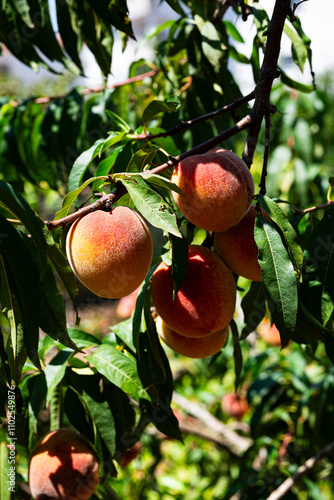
(111, 252)
(217, 190)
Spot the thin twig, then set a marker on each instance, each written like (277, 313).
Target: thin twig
(177, 129)
(133, 79)
(102, 203)
(301, 472)
(265, 156)
(312, 209)
(205, 146)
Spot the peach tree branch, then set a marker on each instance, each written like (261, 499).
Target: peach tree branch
(268, 73)
(302, 471)
(177, 129)
(106, 201)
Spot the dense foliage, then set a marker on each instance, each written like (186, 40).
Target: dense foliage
(120, 386)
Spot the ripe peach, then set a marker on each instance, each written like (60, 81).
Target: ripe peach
(63, 466)
(269, 333)
(234, 405)
(110, 252)
(205, 302)
(238, 249)
(126, 305)
(130, 454)
(217, 188)
(201, 347)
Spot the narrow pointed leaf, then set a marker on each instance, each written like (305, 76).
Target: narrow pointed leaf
(151, 205)
(156, 106)
(290, 235)
(119, 369)
(278, 278)
(237, 354)
(55, 371)
(22, 281)
(65, 273)
(5, 490)
(253, 305)
(10, 198)
(81, 164)
(317, 290)
(71, 197)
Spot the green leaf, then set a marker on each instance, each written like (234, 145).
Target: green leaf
(12, 200)
(5, 372)
(278, 277)
(237, 354)
(212, 46)
(141, 159)
(53, 312)
(119, 369)
(71, 197)
(151, 205)
(81, 164)
(232, 30)
(302, 87)
(114, 12)
(124, 417)
(298, 48)
(65, 273)
(158, 180)
(83, 339)
(155, 107)
(317, 291)
(123, 330)
(253, 305)
(137, 315)
(103, 419)
(112, 139)
(307, 41)
(149, 362)
(22, 282)
(5, 469)
(78, 413)
(174, 4)
(68, 35)
(179, 259)
(55, 371)
(118, 120)
(152, 33)
(288, 232)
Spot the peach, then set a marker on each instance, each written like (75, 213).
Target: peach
(201, 347)
(126, 305)
(205, 302)
(269, 333)
(130, 454)
(217, 188)
(110, 252)
(63, 466)
(238, 249)
(234, 405)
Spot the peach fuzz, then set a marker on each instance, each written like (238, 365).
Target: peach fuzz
(63, 466)
(238, 249)
(201, 347)
(205, 302)
(110, 252)
(217, 188)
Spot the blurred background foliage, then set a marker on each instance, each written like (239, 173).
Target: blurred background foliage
(289, 393)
